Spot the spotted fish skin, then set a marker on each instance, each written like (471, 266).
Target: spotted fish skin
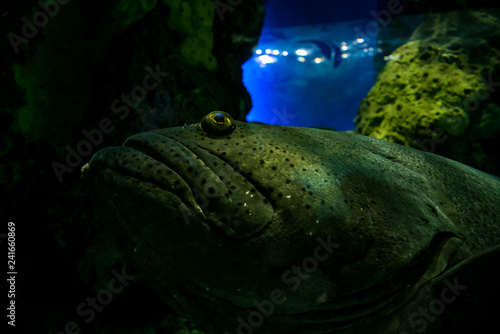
(221, 223)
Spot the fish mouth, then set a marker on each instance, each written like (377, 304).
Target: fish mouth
(396, 291)
(135, 164)
(209, 187)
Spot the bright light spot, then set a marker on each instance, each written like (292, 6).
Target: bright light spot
(344, 55)
(365, 50)
(343, 43)
(301, 52)
(285, 53)
(344, 47)
(266, 59)
(276, 52)
(359, 40)
(268, 51)
(258, 51)
(301, 59)
(392, 57)
(370, 49)
(318, 60)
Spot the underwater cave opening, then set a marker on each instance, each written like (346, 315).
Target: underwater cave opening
(314, 62)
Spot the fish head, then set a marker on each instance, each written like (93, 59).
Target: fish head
(239, 213)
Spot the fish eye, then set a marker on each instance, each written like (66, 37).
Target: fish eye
(218, 123)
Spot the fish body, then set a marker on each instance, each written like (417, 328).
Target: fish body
(256, 228)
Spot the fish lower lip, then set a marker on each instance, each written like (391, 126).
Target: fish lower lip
(134, 163)
(199, 178)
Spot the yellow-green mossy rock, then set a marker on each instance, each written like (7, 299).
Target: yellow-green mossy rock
(439, 91)
(421, 88)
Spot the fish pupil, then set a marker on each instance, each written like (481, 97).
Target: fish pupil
(219, 118)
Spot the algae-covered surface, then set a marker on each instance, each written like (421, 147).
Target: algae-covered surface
(415, 92)
(439, 91)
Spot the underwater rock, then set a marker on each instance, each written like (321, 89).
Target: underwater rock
(193, 20)
(402, 104)
(438, 92)
(53, 67)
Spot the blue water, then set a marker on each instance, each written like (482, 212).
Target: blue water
(308, 89)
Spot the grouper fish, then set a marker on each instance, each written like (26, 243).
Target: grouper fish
(253, 228)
